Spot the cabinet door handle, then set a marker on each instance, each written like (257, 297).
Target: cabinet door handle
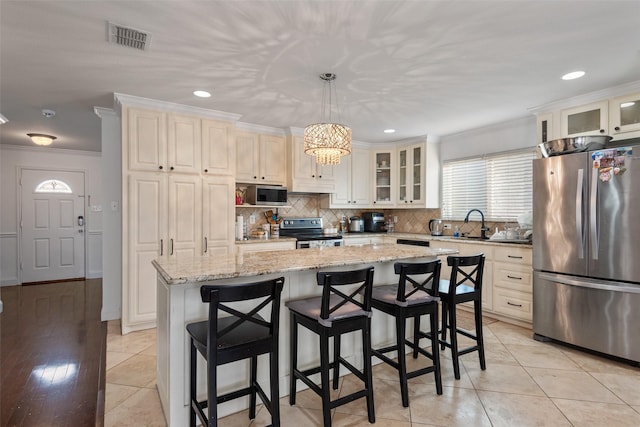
(206, 170)
(313, 176)
(601, 130)
(515, 305)
(171, 168)
(171, 247)
(205, 245)
(514, 277)
(617, 128)
(514, 257)
(255, 177)
(320, 176)
(160, 167)
(161, 247)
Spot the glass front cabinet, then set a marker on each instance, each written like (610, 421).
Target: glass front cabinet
(411, 175)
(384, 177)
(591, 119)
(624, 115)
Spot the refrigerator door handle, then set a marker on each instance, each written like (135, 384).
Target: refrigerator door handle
(580, 214)
(593, 214)
(590, 283)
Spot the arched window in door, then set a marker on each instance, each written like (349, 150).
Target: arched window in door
(53, 186)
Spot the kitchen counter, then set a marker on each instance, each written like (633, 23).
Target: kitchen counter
(419, 236)
(269, 240)
(201, 269)
(179, 303)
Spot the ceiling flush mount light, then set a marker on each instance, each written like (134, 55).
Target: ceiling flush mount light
(627, 104)
(41, 138)
(389, 131)
(201, 93)
(573, 75)
(327, 141)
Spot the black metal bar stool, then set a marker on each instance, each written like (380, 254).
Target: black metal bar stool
(415, 295)
(240, 335)
(331, 315)
(464, 285)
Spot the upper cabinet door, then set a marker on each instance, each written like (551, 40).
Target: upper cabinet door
(247, 156)
(184, 144)
(273, 159)
(146, 134)
(218, 153)
(360, 177)
(624, 115)
(591, 119)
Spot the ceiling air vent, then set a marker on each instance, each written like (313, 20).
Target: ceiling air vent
(125, 36)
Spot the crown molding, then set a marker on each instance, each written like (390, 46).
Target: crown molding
(587, 98)
(154, 104)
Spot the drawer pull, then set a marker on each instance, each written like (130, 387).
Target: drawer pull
(514, 277)
(515, 305)
(514, 257)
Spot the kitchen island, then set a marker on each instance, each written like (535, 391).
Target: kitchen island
(179, 303)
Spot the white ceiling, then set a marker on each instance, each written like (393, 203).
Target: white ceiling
(421, 67)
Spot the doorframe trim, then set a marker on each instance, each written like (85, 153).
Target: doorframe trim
(19, 170)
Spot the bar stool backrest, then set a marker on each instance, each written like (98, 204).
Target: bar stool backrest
(466, 271)
(409, 272)
(330, 282)
(260, 294)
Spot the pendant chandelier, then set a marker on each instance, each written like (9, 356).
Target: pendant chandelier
(327, 141)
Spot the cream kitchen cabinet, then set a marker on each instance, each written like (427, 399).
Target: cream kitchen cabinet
(218, 215)
(624, 116)
(159, 141)
(466, 249)
(274, 245)
(260, 158)
(163, 221)
(384, 177)
(354, 177)
(305, 175)
(418, 184)
(218, 151)
(513, 285)
(591, 119)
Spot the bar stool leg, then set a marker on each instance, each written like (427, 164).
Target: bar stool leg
(293, 362)
(435, 352)
(212, 399)
(454, 342)
(192, 384)
(324, 378)
(445, 315)
(252, 382)
(336, 357)
(402, 362)
(368, 371)
(275, 388)
(416, 336)
(479, 333)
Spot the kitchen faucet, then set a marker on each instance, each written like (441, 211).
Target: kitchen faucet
(483, 228)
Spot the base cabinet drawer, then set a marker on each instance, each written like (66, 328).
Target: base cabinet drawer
(513, 303)
(512, 277)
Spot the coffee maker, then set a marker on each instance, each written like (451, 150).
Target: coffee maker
(374, 222)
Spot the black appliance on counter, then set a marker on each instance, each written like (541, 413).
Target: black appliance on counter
(308, 233)
(374, 222)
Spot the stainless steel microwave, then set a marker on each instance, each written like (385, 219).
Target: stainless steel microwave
(274, 195)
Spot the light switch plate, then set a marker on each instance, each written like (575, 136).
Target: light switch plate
(252, 219)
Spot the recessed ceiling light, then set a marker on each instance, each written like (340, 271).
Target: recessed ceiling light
(627, 104)
(201, 93)
(573, 75)
(389, 130)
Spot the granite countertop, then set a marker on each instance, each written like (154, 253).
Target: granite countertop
(199, 269)
(263, 240)
(419, 236)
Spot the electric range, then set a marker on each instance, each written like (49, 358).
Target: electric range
(309, 233)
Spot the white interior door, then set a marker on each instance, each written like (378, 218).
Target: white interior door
(52, 233)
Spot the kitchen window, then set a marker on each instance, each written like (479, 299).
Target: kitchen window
(500, 185)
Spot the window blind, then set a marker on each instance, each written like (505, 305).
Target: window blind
(499, 185)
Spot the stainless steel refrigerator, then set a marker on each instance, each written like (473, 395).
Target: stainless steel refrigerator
(586, 250)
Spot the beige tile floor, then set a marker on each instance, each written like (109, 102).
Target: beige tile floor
(527, 383)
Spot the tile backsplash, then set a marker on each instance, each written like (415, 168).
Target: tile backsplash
(408, 220)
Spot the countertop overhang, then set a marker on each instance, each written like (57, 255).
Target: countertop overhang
(201, 269)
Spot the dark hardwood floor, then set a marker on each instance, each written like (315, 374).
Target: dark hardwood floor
(52, 355)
